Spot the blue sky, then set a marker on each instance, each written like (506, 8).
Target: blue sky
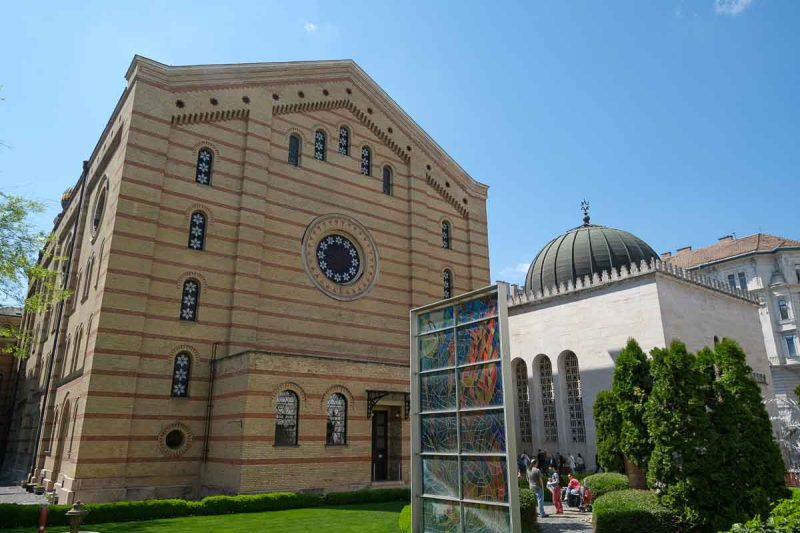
(678, 119)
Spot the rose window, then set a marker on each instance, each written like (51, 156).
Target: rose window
(338, 259)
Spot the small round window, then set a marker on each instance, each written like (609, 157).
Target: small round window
(99, 210)
(175, 439)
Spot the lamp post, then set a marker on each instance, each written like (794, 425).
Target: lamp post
(76, 516)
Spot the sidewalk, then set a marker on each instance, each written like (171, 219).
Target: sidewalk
(16, 494)
(572, 521)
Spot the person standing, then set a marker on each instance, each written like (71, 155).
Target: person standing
(536, 483)
(554, 486)
(580, 464)
(572, 463)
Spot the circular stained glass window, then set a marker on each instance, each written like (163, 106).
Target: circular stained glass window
(338, 259)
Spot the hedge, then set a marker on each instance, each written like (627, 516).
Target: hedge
(16, 515)
(632, 511)
(601, 484)
(405, 519)
(528, 510)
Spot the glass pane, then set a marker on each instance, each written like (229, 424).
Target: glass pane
(440, 476)
(436, 350)
(440, 517)
(484, 478)
(479, 342)
(486, 518)
(437, 391)
(441, 318)
(479, 308)
(439, 433)
(481, 386)
(483, 431)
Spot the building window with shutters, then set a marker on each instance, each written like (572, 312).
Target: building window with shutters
(319, 145)
(189, 300)
(197, 231)
(205, 166)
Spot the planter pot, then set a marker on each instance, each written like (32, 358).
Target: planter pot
(637, 476)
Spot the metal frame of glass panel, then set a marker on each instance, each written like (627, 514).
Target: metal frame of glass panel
(463, 400)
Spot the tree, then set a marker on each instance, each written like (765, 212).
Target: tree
(608, 422)
(19, 267)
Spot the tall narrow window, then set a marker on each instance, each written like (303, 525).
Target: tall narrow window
(336, 432)
(523, 402)
(732, 281)
(344, 140)
(181, 372)
(447, 283)
(548, 400)
(205, 166)
(387, 180)
(319, 145)
(574, 398)
(87, 283)
(76, 350)
(445, 234)
(791, 347)
(189, 300)
(783, 309)
(742, 281)
(286, 419)
(294, 149)
(197, 231)
(366, 160)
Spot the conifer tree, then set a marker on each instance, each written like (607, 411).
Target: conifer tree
(607, 421)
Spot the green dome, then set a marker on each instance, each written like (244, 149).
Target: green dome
(585, 250)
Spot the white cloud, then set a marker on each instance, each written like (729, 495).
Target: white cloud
(516, 273)
(310, 27)
(731, 7)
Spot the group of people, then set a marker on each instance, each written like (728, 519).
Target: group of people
(545, 470)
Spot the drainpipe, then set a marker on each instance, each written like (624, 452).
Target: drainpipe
(51, 364)
(209, 405)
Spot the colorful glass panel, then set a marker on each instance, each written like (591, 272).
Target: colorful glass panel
(478, 308)
(481, 386)
(440, 516)
(439, 433)
(440, 476)
(433, 320)
(486, 518)
(436, 350)
(479, 342)
(484, 478)
(437, 391)
(483, 432)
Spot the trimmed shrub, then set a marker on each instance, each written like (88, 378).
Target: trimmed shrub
(367, 496)
(633, 511)
(405, 519)
(527, 510)
(604, 483)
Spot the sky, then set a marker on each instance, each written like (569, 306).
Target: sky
(678, 120)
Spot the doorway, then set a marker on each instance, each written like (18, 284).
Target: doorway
(380, 445)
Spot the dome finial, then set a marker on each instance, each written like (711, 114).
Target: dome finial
(585, 209)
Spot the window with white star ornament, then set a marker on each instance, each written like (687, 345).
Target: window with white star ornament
(197, 231)
(181, 372)
(338, 259)
(189, 299)
(205, 163)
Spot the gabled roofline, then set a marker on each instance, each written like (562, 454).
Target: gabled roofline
(744, 255)
(292, 72)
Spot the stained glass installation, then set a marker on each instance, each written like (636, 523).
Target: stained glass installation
(440, 516)
(478, 308)
(484, 478)
(440, 476)
(205, 164)
(437, 391)
(319, 145)
(486, 518)
(436, 350)
(181, 371)
(338, 259)
(189, 299)
(481, 386)
(433, 320)
(439, 433)
(479, 342)
(483, 432)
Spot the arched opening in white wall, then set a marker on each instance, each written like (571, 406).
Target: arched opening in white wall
(572, 378)
(523, 405)
(548, 398)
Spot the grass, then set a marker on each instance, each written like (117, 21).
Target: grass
(365, 518)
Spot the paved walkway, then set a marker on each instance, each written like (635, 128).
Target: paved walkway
(572, 521)
(16, 494)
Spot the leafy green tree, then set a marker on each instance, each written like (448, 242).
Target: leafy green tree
(681, 466)
(608, 422)
(632, 386)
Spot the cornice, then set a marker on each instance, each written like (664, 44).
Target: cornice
(210, 116)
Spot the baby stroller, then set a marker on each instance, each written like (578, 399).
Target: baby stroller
(586, 500)
(580, 498)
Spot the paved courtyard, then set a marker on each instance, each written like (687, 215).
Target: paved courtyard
(571, 521)
(16, 494)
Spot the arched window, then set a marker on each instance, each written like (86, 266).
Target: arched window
(189, 299)
(387, 180)
(366, 160)
(76, 350)
(294, 149)
(783, 309)
(286, 419)
(336, 432)
(445, 234)
(319, 145)
(205, 166)
(344, 140)
(447, 283)
(97, 215)
(548, 400)
(574, 398)
(197, 231)
(523, 403)
(100, 264)
(87, 283)
(181, 372)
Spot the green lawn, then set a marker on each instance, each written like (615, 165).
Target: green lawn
(377, 517)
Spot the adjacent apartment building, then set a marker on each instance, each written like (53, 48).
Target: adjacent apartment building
(243, 247)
